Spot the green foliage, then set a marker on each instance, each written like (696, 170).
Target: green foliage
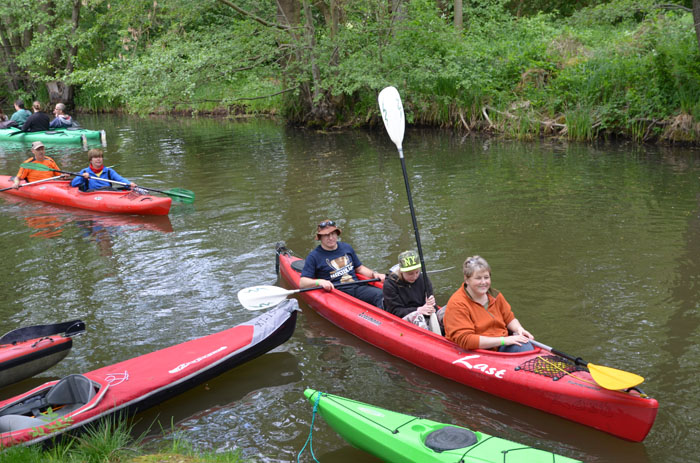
(629, 63)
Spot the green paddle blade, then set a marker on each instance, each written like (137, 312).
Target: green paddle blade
(181, 195)
(36, 166)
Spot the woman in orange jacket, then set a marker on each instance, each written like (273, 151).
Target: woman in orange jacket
(479, 317)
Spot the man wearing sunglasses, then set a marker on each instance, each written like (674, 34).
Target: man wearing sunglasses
(335, 262)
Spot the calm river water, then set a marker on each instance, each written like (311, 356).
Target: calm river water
(596, 248)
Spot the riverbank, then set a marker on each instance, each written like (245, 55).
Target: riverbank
(620, 69)
(113, 442)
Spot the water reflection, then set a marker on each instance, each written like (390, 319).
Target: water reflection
(50, 221)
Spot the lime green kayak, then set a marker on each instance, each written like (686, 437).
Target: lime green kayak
(398, 438)
(57, 136)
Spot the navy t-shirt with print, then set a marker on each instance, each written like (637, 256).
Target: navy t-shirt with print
(338, 265)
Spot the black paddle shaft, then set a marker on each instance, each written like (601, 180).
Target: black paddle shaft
(340, 285)
(415, 222)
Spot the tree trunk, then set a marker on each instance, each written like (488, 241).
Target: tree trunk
(458, 15)
(696, 19)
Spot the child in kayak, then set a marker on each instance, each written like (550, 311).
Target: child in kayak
(479, 317)
(90, 178)
(405, 291)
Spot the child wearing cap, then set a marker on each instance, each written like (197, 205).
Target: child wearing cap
(39, 157)
(407, 294)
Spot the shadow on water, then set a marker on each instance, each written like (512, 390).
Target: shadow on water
(217, 395)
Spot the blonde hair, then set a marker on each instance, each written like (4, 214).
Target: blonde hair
(36, 105)
(474, 263)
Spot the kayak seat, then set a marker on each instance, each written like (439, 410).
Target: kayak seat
(450, 438)
(70, 393)
(298, 265)
(66, 396)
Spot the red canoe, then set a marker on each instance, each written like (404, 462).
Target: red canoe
(141, 382)
(24, 352)
(532, 378)
(115, 202)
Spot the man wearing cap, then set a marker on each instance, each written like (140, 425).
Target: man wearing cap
(334, 262)
(39, 157)
(406, 293)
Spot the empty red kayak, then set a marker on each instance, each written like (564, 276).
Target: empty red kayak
(133, 385)
(116, 202)
(24, 352)
(535, 378)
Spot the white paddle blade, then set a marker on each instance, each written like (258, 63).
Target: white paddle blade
(263, 297)
(392, 113)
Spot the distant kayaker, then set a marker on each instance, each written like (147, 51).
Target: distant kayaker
(336, 262)
(62, 120)
(39, 157)
(21, 114)
(405, 292)
(38, 122)
(479, 317)
(89, 178)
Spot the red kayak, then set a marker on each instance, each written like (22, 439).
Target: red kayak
(536, 378)
(116, 202)
(24, 352)
(134, 385)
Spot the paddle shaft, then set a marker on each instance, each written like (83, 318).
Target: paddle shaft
(395, 122)
(576, 360)
(339, 285)
(32, 183)
(168, 193)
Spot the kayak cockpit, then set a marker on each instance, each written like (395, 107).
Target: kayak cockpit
(49, 403)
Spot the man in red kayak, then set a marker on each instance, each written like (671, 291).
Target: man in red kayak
(39, 157)
(479, 317)
(334, 261)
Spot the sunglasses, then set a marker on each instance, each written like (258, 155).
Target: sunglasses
(327, 223)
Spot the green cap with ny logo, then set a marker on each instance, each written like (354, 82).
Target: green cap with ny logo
(408, 260)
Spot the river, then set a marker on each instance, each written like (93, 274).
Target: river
(597, 248)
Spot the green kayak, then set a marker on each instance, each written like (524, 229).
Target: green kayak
(398, 438)
(58, 136)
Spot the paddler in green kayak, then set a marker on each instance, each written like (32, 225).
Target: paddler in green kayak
(89, 179)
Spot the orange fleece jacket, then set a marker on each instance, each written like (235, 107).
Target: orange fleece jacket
(466, 320)
(34, 175)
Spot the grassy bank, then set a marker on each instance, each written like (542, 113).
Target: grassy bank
(623, 69)
(112, 442)
(605, 69)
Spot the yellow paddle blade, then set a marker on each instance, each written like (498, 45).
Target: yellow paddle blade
(613, 379)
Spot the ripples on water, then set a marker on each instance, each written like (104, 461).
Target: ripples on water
(597, 249)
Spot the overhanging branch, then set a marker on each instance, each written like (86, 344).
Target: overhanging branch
(252, 16)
